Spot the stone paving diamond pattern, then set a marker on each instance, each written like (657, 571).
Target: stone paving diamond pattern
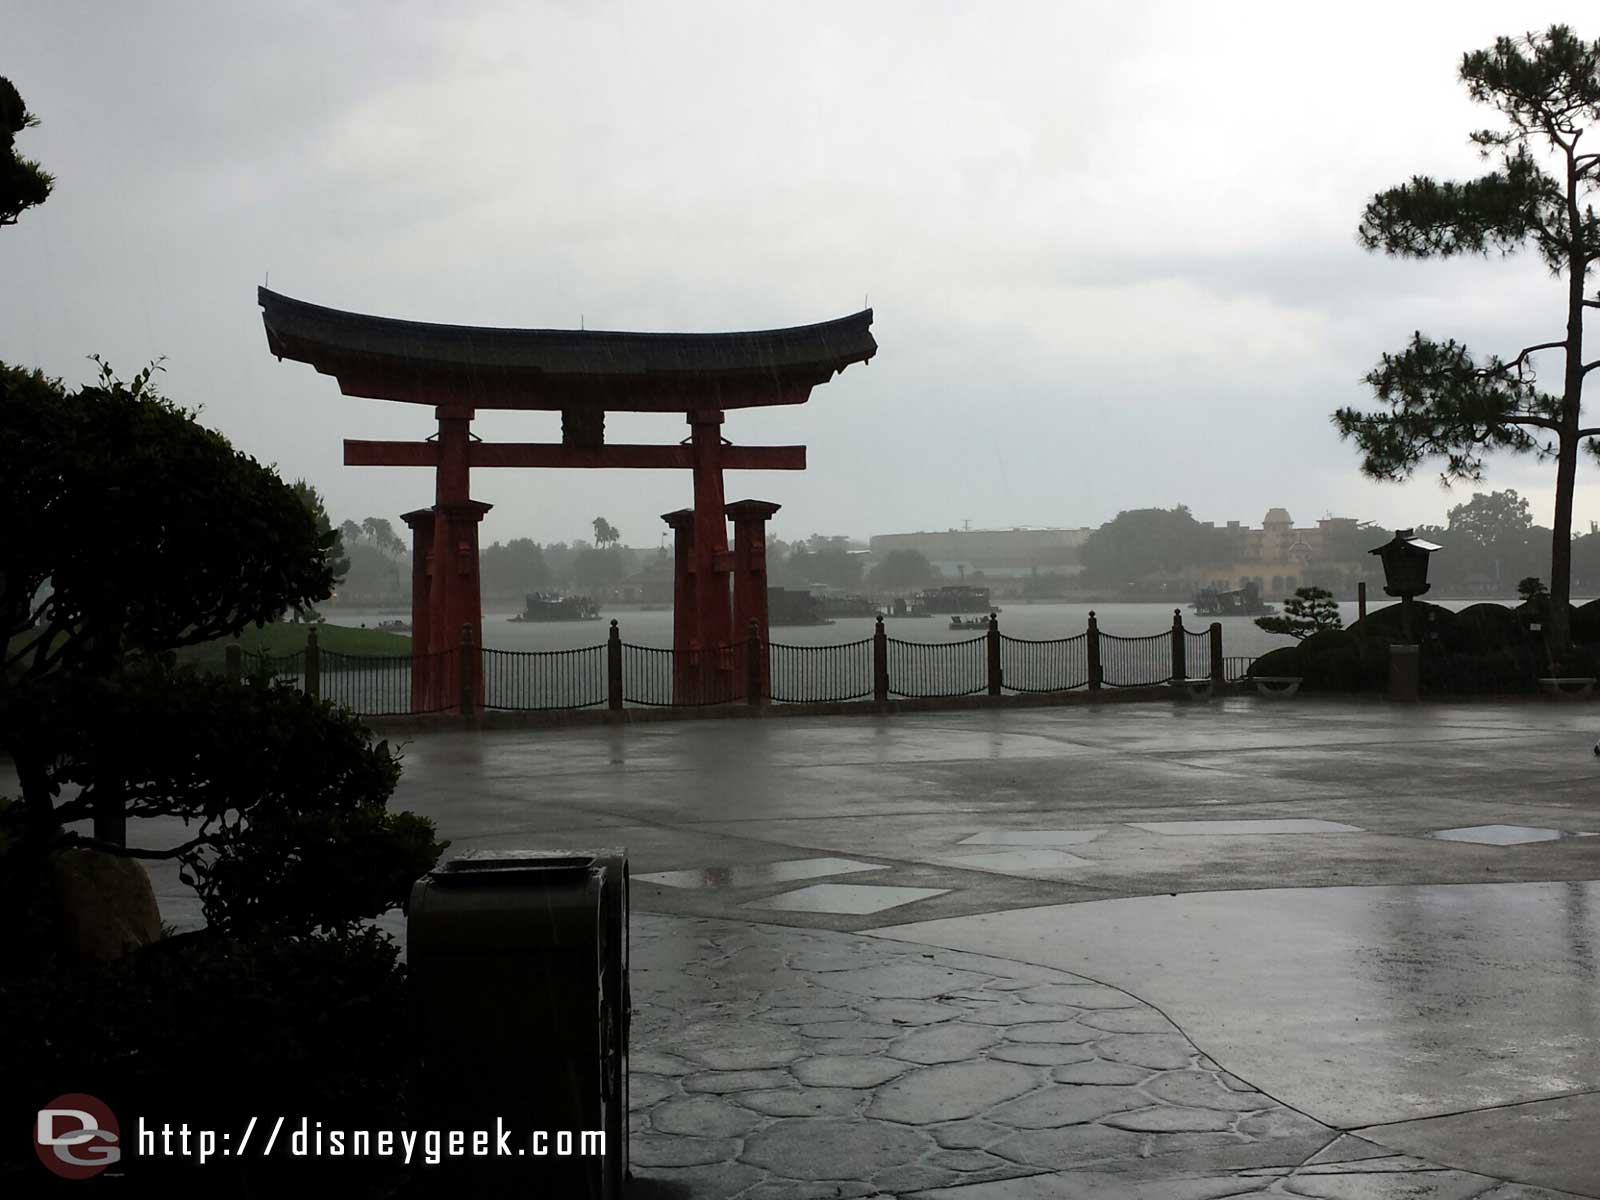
(756, 874)
(978, 1079)
(853, 899)
(1497, 835)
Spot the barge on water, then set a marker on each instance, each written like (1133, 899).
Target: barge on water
(1239, 602)
(542, 606)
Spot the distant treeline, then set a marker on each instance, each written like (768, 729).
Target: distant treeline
(379, 573)
(1489, 544)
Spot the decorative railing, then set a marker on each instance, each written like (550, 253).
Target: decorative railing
(539, 680)
(283, 668)
(1196, 654)
(923, 670)
(1057, 665)
(820, 674)
(620, 674)
(1135, 661)
(1236, 667)
(380, 686)
(683, 679)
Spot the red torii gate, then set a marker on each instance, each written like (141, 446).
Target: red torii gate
(583, 374)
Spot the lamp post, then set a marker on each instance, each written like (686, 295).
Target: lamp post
(1405, 574)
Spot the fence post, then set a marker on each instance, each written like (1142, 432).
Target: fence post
(468, 672)
(993, 647)
(752, 666)
(614, 668)
(1096, 678)
(880, 663)
(233, 660)
(313, 665)
(1219, 665)
(1180, 671)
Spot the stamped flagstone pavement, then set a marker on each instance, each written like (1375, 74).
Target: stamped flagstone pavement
(992, 1080)
(1386, 991)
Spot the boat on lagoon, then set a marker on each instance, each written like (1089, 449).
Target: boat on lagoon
(542, 606)
(1239, 602)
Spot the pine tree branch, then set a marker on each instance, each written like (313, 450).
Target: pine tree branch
(1522, 356)
(1526, 419)
(90, 843)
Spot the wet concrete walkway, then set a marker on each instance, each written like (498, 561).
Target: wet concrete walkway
(1242, 947)
(777, 1063)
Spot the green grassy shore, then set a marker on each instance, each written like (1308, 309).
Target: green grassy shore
(287, 637)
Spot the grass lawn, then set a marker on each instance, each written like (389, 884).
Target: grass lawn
(285, 637)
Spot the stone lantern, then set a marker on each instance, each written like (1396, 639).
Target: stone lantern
(1405, 574)
(1405, 564)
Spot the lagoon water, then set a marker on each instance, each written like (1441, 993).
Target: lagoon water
(1240, 636)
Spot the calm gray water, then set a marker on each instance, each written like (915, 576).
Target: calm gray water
(1036, 621)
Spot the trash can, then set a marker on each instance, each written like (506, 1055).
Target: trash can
(518, 969)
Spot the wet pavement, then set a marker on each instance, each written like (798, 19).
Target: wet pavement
(784, 1064)
(1352, 948)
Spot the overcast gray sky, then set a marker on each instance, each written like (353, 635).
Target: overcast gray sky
(1110, 246)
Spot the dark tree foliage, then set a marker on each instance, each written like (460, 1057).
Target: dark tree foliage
(210, 1030)
(382, 535)
(142, 531)
(1440, 400)
(23, 183)
(1489, 518)
(137, 528)
(605, 533)
(282, 797)
(830, 566)
(595, 570)
(513, 569)
(338, 561)
(902, 570)
(1310, 610)
(1143, 542)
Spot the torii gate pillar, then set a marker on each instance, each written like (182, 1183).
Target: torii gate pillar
(420, 522)
(713, 564)
(750, 519)
(681, 522)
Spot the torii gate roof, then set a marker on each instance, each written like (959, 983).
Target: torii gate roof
(489, 367)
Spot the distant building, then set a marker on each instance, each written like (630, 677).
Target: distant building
(1278, 557)
(997, 553)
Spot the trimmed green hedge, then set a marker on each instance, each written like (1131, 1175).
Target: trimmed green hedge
(1486, 649)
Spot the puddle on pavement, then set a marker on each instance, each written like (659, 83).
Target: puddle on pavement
(755, 874)
(1032, 837)
(1497, 835)
(1287, 825)
(1027, 859)
(845, 898)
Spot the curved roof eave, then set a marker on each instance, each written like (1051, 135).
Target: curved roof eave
(329, 338)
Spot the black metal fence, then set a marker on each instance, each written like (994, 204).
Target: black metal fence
(536, 681)
(820, 674)
(927, 669)
(1236, 667)
(620, 674)
(284, 668)
(1057, 665)
(1135, 661)
(689, 679)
